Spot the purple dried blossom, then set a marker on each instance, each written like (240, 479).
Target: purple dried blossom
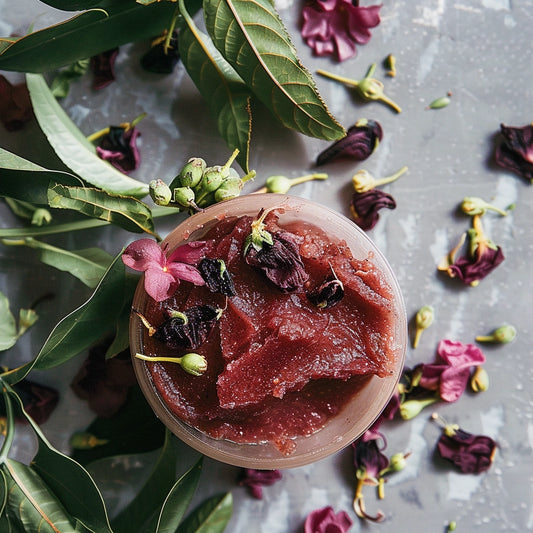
(255, 480)
(365, 207)
(515, 152)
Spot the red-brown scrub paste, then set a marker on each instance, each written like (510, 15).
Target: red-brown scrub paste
(278, 366)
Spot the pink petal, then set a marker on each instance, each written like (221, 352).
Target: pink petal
(345, 47)
(185, 272)
(460, 355)
(360, 19)
(431, 375)
(159, 285)
(190, 253)
(315, 24)
(143, 254)
(453, 382)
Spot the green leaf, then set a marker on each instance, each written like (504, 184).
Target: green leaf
(31, 505)
(212, 516)
(72, 147)
(78, 330)
(178, 500)
(85, 35)
(9, 331)
(252, 38)
(127, 213)
(60, 85)
(28, 182)
(71, 5)
(222, 88)
(88, 265)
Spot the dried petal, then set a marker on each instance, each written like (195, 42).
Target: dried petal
(335, 27)
(15, 105)
(365, 207)
(103, 68)
(119, 147)
(472, 454)
(326, 521)
(255, 480)
(358, 144)
(216, 276)
(188, 330)
(280, 261)
(472, 269)
(328, 294)
(38, 400)
(368, 459)
(161, 59)
(515, 152)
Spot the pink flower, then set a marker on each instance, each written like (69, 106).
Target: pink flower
(450, 376)
(336, 26)
(515, 152)
(255, 480)
(162, 274)
(326, 521)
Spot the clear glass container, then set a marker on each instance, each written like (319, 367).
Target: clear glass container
(363, 408)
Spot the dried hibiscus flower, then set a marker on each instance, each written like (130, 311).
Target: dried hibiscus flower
(471, 454)
(359, 143)
(365, 207)
(482, 256)
(277, 254)
(515, 152)
(326, 521)
(216, 276)
(15, 104)
(329, 293)
(163, 274)
(163, 55)
(335, 27)
(103, 68)
(255, 480)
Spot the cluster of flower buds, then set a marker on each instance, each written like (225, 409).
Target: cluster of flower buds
(198, 186)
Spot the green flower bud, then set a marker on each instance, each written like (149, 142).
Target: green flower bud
(363, 181)
(230, 188)
(191, 174)
(212, 179)
(452, 526)
(397, 462)
(82, 440)
(479, 380)
(278, 184)
(472, 205)
(41, 217)
(412, 408)
(184, 196)
(501, 335)
(423, 319)
(27, 317)
(194, 364)
(160, 192)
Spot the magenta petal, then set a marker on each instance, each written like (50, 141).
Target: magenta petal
(430, 377)
(159, 285)
(457, 354)
(185, 272)
(143, 254)
(360, 19)
(453, 382)
(190, 253)
(326, 521)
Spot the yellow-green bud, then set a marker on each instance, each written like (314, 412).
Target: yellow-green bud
(212, 179)
(479, 380)
(471, 205)
(183, 196)
(278, 184)
(41, 217)
(194, 364)
(160, 192)
(502, 335)
(230, 188)
(412, 408)
(86, 441)
(423, 319)
(397, 462)
(191, 174)
(363, 181)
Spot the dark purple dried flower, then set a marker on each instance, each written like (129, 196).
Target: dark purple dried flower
(103, 68)
(328, 294)
(15, 105)
(38, 400)
(515, 153)
(335, 27)
(255, 480)
(326, 521)
(368, 458)
(471, 454)
(482, 256)
(365, 207)
(358, 144)
(162, 56)
(104, 383)
(216, 276)
(119, 147)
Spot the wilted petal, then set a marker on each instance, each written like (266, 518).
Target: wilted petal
(38, 400)
(471, 269)
(515, 153)
(365, 207)
(160, 59)
(368, 457)
(358, 144)
(15, 105)
(255, 480)
(103, 68)
(185, 272)
(190, 252)
(119, 147)
(326, 521)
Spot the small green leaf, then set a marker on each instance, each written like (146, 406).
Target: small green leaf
(439, 103)
(211, 516)
(72, 147)
(9, 331)
(81, 328)
(60, 85)
(27, 182)
(224, 91)
(85, 35)
(251, 37)
(127, 213)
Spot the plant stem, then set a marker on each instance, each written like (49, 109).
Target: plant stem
(342, 79)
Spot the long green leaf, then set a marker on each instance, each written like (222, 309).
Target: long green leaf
(84, 326)
(251, 36)
(127, 213)
(28, 182)
(222, 88)
(32, 504)
(211, 516)
(88, 265)
(85, 35)
(72, 5)
(72, 147)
